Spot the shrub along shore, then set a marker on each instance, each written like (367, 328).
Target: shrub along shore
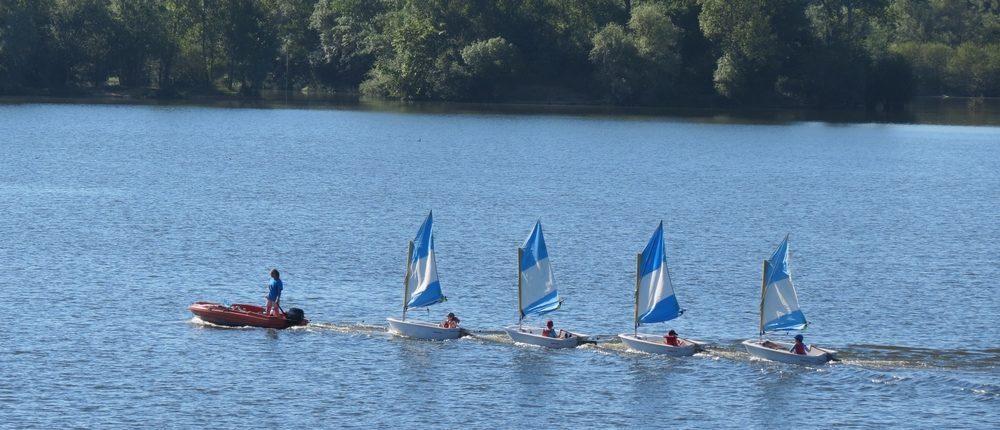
(841, 54)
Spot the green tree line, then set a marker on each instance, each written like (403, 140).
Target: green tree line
(816, 53)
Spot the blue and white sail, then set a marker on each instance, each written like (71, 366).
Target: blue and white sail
(779, 305)
(537, 292)
(421, 284)
(655, 300)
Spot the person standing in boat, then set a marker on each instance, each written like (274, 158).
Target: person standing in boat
(451, 322)
(671, 339)
(799, 347)
(273, 293)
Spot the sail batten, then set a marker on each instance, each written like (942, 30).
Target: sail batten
(537, 294)
(655, 300)
(779, 301)
(422, 285)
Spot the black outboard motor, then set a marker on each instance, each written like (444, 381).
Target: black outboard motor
(295, 316)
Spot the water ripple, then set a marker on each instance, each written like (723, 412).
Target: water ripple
(116, 218)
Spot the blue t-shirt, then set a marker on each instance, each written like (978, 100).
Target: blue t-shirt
(274, 289)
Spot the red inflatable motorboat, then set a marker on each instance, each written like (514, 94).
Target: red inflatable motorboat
(239, 315)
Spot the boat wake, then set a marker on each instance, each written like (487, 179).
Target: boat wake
(348, 327)
(879, 357)
(875, 357)
(890, 356)
(202, 323)
(491, 336)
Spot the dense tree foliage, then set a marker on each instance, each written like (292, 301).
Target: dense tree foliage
(822, 53)
(638, 62)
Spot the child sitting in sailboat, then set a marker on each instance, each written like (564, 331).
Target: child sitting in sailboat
(671, 339)
(799, 347)
(451, 322)
(551, 332)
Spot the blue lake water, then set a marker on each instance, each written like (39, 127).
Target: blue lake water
(114, 218)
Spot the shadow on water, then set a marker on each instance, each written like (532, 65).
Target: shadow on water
(925, 110)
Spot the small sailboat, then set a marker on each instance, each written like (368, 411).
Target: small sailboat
(421, 288)
(779, 311)
(537, 294)
(655, 301)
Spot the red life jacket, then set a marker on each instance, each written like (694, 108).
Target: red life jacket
(799, 348)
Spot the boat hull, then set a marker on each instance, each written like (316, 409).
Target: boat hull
(422, 330)
(814, 356)
(241, 315)
(653, 344)
(533, 336)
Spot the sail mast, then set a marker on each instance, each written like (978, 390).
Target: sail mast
(406, 277)
(763, 290)
(520, 309)
(638, 278)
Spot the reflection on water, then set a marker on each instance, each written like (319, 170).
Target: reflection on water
(776, 391)
(923, 110)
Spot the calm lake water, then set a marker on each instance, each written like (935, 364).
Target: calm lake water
(114, 218)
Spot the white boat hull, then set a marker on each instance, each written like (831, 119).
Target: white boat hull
(653, 344)
(814, 356)
(422, 330)
(533, 336)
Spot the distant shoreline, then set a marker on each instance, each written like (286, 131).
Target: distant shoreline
(942, 110)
